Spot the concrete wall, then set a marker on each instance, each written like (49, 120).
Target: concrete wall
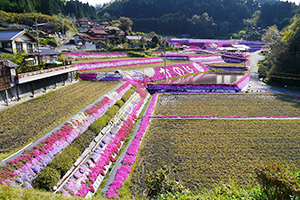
(25, 90)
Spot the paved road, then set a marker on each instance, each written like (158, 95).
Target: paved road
(66, 44)
(257, 86)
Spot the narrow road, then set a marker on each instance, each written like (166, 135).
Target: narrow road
(255, 85)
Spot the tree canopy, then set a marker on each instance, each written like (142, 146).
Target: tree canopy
(73, 7)
(200, 18)
(282, 65)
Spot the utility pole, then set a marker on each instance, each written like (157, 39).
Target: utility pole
(165, 64)
(37, 33)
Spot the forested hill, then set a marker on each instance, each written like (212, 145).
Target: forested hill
(73, 8)
(199, 18)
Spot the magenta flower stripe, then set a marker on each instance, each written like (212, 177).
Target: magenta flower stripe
(117, 63)
(22, 170)
(131, 154)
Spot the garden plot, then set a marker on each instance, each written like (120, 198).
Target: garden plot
(222, 105)
(203, 153)
(28, 121)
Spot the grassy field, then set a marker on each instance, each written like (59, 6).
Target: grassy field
(228, 64)
(101, 59)
(205, 153)
(135, 67)
(25, 122)
(227, 105)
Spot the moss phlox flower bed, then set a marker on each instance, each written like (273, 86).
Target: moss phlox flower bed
(22, 170)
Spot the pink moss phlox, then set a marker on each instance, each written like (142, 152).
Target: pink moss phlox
(34, 160)
(128, 159)
(86, 55)
(117, 63)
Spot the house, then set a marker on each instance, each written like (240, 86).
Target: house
(48, 55)
(97, 33)
(7, 74)
(82, 22)
(132, 38)
(46, 27)
(92, 35)
(17, 40)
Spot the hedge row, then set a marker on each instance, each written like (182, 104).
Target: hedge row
(102, 121)
(62, 162)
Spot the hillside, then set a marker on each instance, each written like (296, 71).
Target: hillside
(199, 18)
(73, 8)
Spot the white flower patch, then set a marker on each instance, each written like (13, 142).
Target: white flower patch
(198, 67)
(148, 72)
(112, 95)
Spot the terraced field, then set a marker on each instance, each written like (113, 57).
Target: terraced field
(203, 153)
(221, 105)
(26, 122)
(135, 67)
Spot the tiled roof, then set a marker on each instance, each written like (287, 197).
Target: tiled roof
(134, 37)
(10, 34)
(112, 27)
(83, 20)
(97, 38)
(47, 51)
(98, 31)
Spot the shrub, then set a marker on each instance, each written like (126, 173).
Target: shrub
(47, 178)
(127, 95)
(112, 111)
(64, 160)
(136, 54)
(159, 183)
(120, 103)
(99, 124)
(278, 181)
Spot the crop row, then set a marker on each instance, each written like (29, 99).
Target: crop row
(40, 115)
(222, 105)
(87, 179)
(203, 153)
(22, 170)
(129, 159)
(64, 160)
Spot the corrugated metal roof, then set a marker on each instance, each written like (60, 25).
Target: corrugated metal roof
(47, 51)
(10, 34)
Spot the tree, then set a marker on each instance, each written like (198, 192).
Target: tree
(159, 183)
(143, 41)
(17, 58)
(271, 36)
(155, 41)
(125, 23)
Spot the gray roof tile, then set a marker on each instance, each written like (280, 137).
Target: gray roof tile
(9, 34)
